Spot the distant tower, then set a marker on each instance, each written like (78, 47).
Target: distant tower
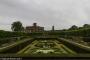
(52, 28)
(34, 24)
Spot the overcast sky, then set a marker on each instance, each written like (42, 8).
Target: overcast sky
(60, 13)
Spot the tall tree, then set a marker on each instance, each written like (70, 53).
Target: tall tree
(86, 26)
(74, 27)
(17, 26)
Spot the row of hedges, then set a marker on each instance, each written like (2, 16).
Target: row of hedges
(14, 48)
(11, 39)
(5, 34)
(79, 48)
(79, 32)
(8, 36)
(35, 34)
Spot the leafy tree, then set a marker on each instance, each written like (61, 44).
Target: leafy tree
(86, 26)
(17, 26)
(74, 27)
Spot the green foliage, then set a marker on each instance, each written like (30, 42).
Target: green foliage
(17, 26)
(86, 26)
(15, 47)
(4, 34)
(7, 34)
(34, 34)
(74, 27)
(84, 32)
(79, 32)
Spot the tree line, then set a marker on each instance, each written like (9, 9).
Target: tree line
(18, 27)
(74, 30)
(18, 30)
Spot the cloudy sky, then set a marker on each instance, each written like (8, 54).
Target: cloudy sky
(60, 13)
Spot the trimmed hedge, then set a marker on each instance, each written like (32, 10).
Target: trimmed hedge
(5, 34)
(15, 47)
(79, 48)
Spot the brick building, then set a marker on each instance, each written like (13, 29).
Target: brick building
(34, 28)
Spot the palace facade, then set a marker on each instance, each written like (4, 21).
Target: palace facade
(34, 28)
